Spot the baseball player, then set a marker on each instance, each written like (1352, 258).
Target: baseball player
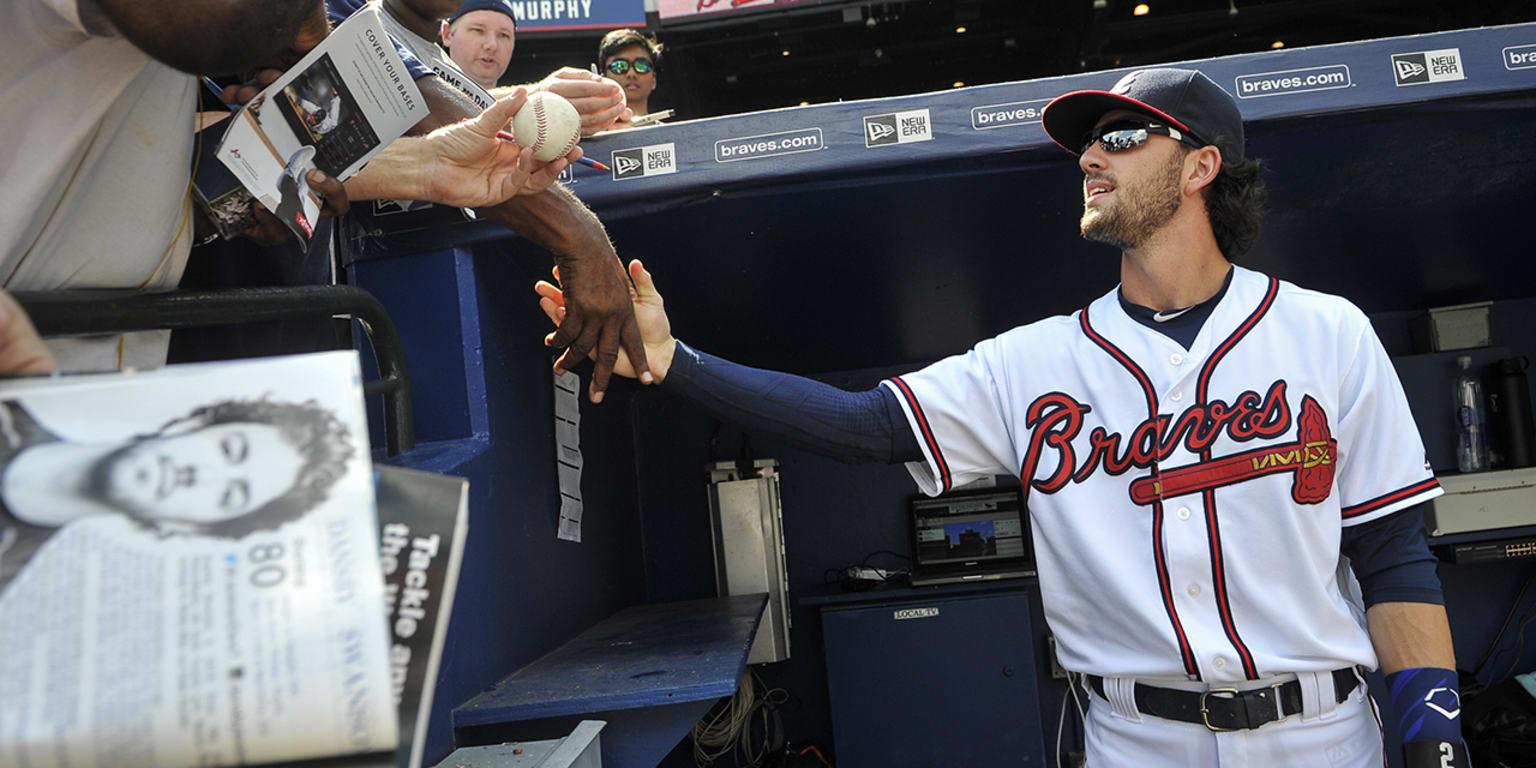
(1203, 448)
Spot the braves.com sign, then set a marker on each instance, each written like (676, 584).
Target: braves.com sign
(1520, 57)
(1004, 115)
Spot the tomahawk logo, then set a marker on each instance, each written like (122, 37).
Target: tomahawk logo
(879, 130)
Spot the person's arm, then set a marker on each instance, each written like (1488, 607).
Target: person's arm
(21, 349)
(1413, 643)
(1409, 629)
(600, 318)
(598, 100)
(854, 427)
(464, 164)
(212, 37)
(1410, 635)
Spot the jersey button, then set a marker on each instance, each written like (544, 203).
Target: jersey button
(1177, 396)
(1176, 358)
(1194, 590)
(1219, 663)
(1183, 513)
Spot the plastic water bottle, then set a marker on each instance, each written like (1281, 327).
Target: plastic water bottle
(1471, 431)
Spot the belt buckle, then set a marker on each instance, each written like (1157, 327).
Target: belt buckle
(1205, 714)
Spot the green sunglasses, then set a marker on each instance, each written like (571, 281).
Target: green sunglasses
(621, 66)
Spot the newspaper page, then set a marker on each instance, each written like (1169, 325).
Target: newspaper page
(187, 568)
(423, 521)
(334, 110)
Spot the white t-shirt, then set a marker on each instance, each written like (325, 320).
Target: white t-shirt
(96, 160)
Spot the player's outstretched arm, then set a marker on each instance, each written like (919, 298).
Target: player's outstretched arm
(854, 427)
(465, 164)
(599, 319)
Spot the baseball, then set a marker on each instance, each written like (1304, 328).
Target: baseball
(547, 123)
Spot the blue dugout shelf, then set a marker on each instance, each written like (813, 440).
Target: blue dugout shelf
(650, 671)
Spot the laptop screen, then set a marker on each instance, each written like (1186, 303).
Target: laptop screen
(969, 530)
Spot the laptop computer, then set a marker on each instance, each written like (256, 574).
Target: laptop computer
(970, 536)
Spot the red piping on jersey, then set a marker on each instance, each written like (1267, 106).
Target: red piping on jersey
(1212, 525)
(922, 422)
(1157, 506)
(1387, 498)
(1380, 729)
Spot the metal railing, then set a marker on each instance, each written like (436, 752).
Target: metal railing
(72, 313)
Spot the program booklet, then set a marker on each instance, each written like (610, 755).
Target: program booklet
(188, 568)
(344, 101)
(423, 519)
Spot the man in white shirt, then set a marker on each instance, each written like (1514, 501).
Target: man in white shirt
(98, 110)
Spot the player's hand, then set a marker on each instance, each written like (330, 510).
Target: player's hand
(597, 312)
(21, 349)
(650, 317)
(469, 166)
(270, 230)
(598, 100)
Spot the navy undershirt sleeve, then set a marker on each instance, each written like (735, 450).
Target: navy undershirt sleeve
(853, 427)
(1391, 559)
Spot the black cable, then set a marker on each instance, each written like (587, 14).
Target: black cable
(1519, 645)
(865, 561)
(1514, 608)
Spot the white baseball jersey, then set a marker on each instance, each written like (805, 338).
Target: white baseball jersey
(1187, 504)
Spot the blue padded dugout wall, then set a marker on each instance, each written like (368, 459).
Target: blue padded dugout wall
(848, 261)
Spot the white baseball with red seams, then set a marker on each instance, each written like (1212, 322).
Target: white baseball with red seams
(549, 124)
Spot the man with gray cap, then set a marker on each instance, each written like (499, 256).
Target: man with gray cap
(1202, 448)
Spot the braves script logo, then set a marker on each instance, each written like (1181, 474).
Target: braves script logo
(1056, 419)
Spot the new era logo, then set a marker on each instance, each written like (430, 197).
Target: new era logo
(1411, 69)
(1427, 67)
(880, 130)
(628, 163)
(897, 128)
(635, 162)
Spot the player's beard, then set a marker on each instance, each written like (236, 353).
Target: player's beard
(1140, 210)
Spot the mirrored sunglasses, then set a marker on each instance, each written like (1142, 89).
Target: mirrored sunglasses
(1120, 135)
(621, 66)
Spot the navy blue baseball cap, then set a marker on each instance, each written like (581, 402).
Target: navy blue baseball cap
(499, 6)
(1186, 99)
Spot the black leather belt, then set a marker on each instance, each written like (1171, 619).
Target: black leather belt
(1228, 709)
